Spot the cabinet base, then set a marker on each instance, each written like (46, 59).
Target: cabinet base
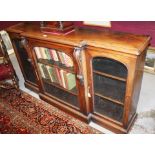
(65, 108)
(114, 127)
(31, 87)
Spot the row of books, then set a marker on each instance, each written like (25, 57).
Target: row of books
(52, 54)
(59, 76)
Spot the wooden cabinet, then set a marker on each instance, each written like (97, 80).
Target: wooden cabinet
(105, 72)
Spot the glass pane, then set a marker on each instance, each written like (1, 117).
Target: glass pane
(108, 108)
(61, 94)
(108, 87)
(57, 71)
(54, 57)
(28, 69)
(109, 66)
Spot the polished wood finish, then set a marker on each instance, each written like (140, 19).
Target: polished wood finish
(117, 41)
(83, 45)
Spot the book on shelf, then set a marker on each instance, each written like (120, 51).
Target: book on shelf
(47, 52)
(62, 73)
(49, 72)
(52, 74)
(41, 70)
(65, 59)
(68, 60)
(42, 52)
(45, 71)
(66, 80)
(71, 82)
(58, 76)
(61, 77)
(61, 58)
(37, 51)
(54, 55)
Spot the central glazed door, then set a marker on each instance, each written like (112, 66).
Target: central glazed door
(57, 70)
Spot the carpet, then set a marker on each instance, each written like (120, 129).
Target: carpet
(24, 114)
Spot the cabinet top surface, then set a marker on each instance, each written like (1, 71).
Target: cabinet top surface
(117, 41)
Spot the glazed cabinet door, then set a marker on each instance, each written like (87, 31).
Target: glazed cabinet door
(109, 84)
(108, 81)
(25, 62)
(57, 70)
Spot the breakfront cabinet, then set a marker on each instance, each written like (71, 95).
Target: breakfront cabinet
(93, 75)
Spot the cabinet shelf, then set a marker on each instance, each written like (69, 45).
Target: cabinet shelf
(110, 99)
(108, 87)
(110, 76)
(108, 108)
(52, 63)
(72, 91)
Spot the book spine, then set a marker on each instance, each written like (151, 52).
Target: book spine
(59, 77)
(68, 61)
(48, 69)
(71, 81)
(47, 76)
(62, 77)
(54, 74)
(37, 51)
(51, 54)
(61, 57)
(55, 55)
(41, 71)
(47, 54)
(66, 81)
(64, 58)
(42, 49)
(41, 52)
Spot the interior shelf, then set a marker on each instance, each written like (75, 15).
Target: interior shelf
(108, 108)
(56, 64)
(110, 88)
(110, 99)
(110, 76)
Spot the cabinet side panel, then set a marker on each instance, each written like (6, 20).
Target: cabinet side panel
(25, 60)
(137, 83)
